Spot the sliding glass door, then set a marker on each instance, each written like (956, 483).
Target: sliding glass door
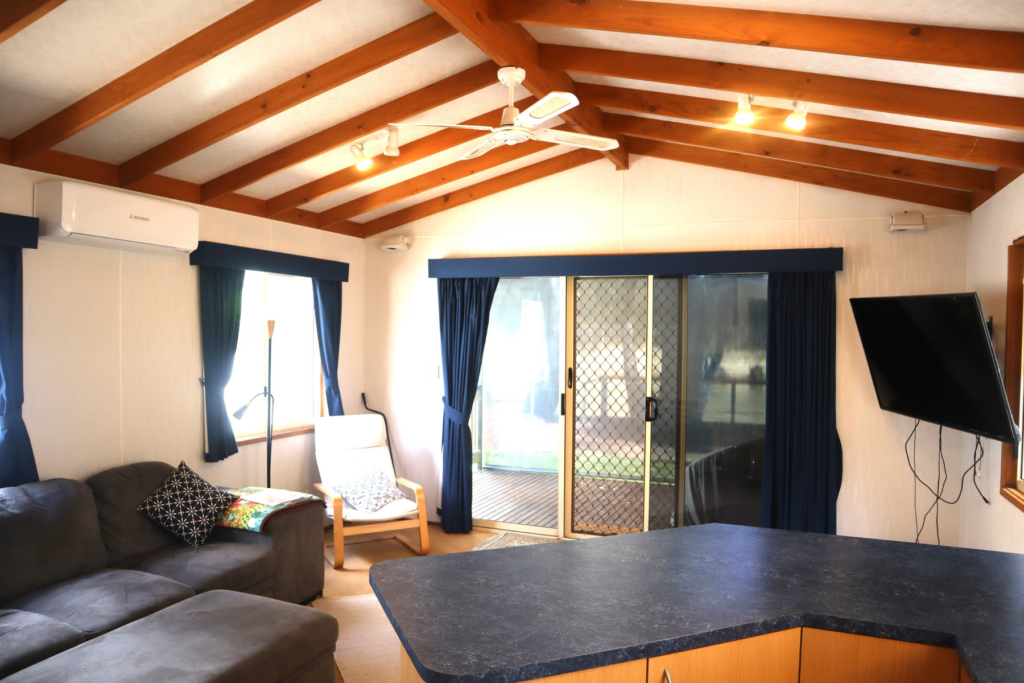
(516, 420)
(666, 397)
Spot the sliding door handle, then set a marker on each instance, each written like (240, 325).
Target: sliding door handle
(563, 404)
(651, 410)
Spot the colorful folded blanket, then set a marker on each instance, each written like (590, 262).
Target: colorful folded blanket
(256, 506)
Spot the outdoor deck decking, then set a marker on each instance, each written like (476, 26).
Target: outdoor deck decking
(515, 497)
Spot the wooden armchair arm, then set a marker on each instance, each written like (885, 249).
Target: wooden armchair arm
(327, 491)
(416, 488)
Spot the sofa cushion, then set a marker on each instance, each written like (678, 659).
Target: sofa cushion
(217, 637)
(244, 567)
(187, 505)
(127, 532)
(27, 638)
(103, 600)
(48, 532)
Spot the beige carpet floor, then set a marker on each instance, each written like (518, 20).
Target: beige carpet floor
(368, 649)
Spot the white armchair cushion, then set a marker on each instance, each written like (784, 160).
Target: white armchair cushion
(370, 491)
(398, 509)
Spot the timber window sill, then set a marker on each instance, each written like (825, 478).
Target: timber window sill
(278, 434)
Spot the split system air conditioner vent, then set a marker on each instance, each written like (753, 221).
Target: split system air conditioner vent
(78, 213)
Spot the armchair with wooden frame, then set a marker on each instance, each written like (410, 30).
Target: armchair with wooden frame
(346, 445)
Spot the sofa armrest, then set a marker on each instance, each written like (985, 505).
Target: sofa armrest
(416, 488)
(297, 537)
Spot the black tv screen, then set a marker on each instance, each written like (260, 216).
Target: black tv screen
(931, 358)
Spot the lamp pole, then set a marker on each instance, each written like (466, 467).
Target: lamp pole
(270, 414)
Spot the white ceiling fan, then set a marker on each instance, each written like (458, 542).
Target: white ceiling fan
(516, 127)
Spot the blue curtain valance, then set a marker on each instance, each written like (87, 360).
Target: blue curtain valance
(243, 258)
(19, 231)
(672, 265)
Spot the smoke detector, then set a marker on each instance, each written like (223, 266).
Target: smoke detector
(907, 222)
(396, 243)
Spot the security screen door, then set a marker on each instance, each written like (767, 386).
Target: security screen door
(664, 402)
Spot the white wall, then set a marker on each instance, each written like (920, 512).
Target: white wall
(994, 227)
(661, 206)
(113, 355)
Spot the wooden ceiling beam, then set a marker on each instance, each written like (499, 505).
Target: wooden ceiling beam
(801, 151)
(431, 180)
(480, 190)
(346, 132)
(359, 62)
(17, 15)
(1004, 176)
(943, 45)
(955, 200)
(414, 151)
(201, 47)
(909, 100)
(99, 172)
(932, 143)
(512, 45)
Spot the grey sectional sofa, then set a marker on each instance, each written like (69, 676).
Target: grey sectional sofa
(78, 561)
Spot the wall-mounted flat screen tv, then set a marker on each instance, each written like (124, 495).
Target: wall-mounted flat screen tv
(931, 358)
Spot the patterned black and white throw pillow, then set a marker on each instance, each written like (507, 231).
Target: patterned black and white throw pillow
(187, 505)
(370, 491)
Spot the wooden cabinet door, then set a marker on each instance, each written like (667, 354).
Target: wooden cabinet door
(833, 657)
(627, 672)
(771, 658)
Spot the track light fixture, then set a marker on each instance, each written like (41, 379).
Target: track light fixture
(392, 149)
(363, 162)
(798, 119)
(744, 116)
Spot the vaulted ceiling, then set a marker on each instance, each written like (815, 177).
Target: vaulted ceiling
(252, 106)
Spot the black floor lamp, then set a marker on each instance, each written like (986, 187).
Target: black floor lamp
(270, 398)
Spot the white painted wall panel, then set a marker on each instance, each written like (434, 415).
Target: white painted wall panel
(668, 206)
(113, 354)
(994, 226)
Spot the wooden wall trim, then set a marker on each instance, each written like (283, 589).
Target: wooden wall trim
(1012, 362)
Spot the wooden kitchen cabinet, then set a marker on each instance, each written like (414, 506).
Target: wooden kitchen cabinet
(771, 658)
(834, 657)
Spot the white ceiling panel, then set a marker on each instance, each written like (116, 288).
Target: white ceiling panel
(556, 150)
(316, 35)
(1001, 15)
(410, 73)
(862, 114)
(456, 111)
(84, 44)
(908, 73)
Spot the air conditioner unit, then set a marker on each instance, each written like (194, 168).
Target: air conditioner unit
(77, 213)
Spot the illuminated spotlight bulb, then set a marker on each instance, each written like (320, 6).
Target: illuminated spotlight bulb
(744, 116)
(363, 162)
(798, 119)
(392, 149)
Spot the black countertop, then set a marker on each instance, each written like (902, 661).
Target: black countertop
(502, 616)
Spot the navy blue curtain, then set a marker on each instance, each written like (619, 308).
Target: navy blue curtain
(327, 308)
(220, 311)
(465, 308)
(803, 459)
(17, 463)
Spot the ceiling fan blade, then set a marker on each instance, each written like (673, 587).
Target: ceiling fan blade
(568, 137)
(481, 149)
(547, 107)
(444, 125)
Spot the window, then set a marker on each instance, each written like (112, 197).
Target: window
(296, 382)
(1011, 476)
